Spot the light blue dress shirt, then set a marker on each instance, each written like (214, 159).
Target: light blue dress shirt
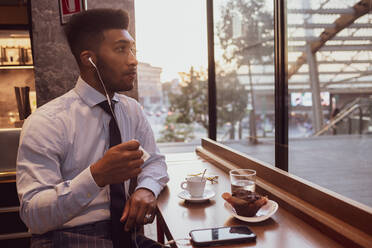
(60, 141)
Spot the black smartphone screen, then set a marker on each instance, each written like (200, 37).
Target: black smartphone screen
(222, 235)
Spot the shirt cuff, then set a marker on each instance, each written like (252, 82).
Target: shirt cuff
(150, 184)
(85, 187)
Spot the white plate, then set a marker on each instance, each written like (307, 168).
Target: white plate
(208, 194)
(265, 212)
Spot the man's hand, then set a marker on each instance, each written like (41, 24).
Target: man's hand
(141, 203)
(119, 163)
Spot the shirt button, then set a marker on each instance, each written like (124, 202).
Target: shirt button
(89, 195)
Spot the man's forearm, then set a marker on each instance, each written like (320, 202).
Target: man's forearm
(154, 175)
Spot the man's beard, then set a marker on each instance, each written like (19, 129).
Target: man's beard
(111, 84)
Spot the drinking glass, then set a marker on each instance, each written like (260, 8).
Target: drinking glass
(242, 180)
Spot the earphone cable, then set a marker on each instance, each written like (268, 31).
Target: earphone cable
(104, 88)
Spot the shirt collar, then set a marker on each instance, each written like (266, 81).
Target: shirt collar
(89, 94)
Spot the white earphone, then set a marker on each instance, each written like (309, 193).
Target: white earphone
(91, 61)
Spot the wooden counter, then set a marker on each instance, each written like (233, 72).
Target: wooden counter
(178, 217)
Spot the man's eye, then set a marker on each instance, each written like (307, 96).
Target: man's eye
(126, 50)
(121, 49)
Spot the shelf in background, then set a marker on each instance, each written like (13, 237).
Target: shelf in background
(11, 67)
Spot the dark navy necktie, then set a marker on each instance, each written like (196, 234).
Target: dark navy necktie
(120, 238)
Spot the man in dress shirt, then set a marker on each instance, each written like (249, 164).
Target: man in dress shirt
(64, 163)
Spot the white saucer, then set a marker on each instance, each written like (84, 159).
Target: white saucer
(265, 212)
(208, 194)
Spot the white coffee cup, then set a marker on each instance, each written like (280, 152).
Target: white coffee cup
(194, 185)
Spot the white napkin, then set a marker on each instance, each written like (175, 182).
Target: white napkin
(145, 155)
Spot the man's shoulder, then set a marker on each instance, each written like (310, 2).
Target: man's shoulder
(56, 107)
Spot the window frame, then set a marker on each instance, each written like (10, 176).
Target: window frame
(281, 82)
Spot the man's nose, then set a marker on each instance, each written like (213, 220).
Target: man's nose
(132, 59)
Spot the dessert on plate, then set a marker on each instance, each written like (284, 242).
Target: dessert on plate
(246, 203)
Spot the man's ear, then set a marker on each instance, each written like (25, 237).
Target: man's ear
(84, 58)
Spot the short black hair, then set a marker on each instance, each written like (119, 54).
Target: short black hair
(84, 31)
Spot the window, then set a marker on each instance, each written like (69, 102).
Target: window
(244, 47)
(330, 88)
(329, 85)
(171, 43)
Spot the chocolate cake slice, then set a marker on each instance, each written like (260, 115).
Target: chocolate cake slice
(246, 203)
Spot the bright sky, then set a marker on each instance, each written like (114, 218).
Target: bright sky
(171, 34)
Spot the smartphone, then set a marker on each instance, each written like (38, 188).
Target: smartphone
(221, 235)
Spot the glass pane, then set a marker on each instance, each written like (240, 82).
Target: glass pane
(330, 86)
(172, 81)
(16, 70)
(244, 46)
